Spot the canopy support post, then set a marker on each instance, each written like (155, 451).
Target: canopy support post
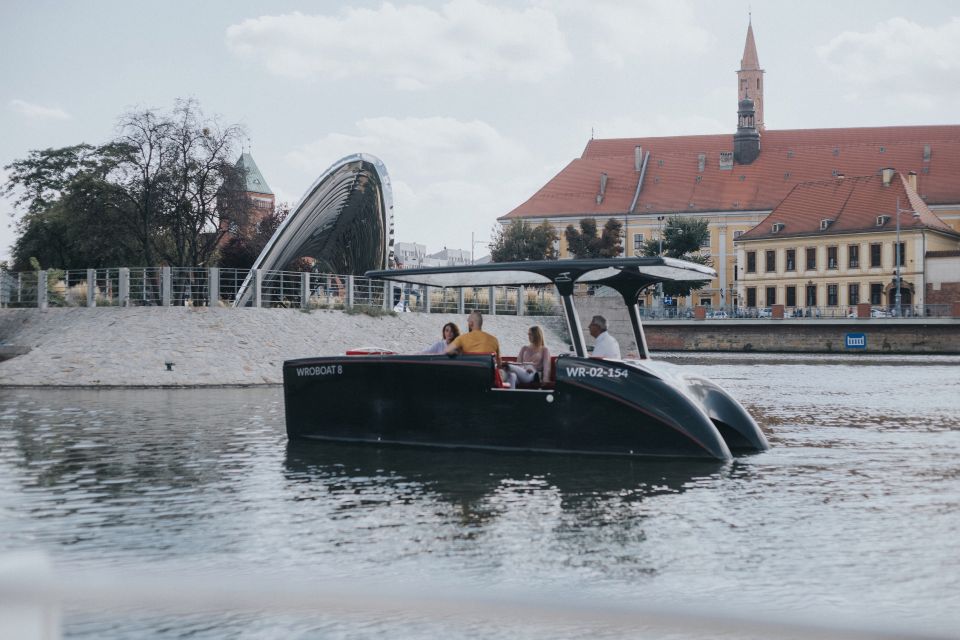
(638, 335)
(573, 325)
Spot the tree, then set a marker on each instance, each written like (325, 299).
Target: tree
(70, 219)
(165, 188)
(209, 190)
(177, 175)
(240, 252)
(520, 240)
(586, 244)
(682, 239)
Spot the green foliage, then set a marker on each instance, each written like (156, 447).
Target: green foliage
(682, 239)
(241, 250)
(585, 243)
(369, 310)
(164, 189)
(55, 279)
(520, 240)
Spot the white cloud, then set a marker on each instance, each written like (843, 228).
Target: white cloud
(659, 125)
(412, 45)
(899, 61)
(620, 32)
(38, 112)
(449, 177)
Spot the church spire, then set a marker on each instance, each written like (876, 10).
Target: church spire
(750, 76)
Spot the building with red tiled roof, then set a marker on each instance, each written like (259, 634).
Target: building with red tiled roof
(833, 243)
(641, 181)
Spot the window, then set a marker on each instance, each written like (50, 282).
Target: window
(771, 261)
(875, 257)
(706, 243)
(791, 259)
(771, 296)
(751, 261)
(832, 262)
(853, 293)
(811, 295)
(876, 294)
(751, 296)
(811, 258)
(853, 256)
(903, 253)
(737, 234)
(791, 292)
(637, 242)
(706, 302)
(832, 296)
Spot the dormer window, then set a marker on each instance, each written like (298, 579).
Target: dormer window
(825, 224)
(882, 220)
(777, 227)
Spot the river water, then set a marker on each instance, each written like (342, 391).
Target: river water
(855, 510)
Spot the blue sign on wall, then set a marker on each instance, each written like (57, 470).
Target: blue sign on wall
(856, 341)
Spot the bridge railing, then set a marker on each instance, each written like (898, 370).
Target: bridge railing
(173, 286)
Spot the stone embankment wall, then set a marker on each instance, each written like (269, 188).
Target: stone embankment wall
(798, 335)
(110, 346)
(131, 346)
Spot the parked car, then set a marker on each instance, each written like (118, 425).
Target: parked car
(878, 312)
(719, 314)
(766, 312)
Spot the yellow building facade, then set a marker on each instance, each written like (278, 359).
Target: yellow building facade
(832, 245)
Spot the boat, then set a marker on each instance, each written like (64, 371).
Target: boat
(632, 407)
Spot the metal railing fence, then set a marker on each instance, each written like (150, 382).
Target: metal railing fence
(174, 286)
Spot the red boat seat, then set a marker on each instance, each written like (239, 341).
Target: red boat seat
(370, 351)
(549, 383)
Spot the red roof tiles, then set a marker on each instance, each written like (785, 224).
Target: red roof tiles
(852, 205)
(673, 182)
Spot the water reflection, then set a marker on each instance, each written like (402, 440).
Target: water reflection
(470, 479)
(854, 507)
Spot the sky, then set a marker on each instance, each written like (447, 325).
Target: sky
(472, 105)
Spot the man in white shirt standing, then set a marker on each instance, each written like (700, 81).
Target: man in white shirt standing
(604, 345)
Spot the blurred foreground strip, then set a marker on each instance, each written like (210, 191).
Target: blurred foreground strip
(32, 595)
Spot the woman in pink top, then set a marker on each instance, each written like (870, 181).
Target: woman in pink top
(533, 361)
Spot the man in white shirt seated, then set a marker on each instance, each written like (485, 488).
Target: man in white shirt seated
(604, 345)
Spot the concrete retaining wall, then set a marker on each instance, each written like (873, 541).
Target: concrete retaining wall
(783, 336)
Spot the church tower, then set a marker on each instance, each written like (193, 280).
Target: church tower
(750, 78)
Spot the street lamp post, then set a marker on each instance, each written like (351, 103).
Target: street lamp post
(896, 295)
(473, 243)
(660, 233)
(660, 253)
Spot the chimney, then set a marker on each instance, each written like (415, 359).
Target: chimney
(637, 158)
(887, 173)
(912, 180)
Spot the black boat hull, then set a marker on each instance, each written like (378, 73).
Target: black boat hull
(596, 407)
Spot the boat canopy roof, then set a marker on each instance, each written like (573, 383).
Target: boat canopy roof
(620, 273)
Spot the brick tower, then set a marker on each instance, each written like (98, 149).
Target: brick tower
(750, 78)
